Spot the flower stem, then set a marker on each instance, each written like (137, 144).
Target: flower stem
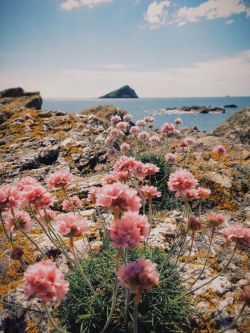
(135, 329)
(235, 319)
(52, 321)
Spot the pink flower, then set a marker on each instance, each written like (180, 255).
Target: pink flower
(122, 176)
(92, 194)
(215, 220)
(203, 193)
(237, 234)
(37, 196)
(26, 181)
(129, 231)
(124, 148)
(220, 150)
(134, 130)
(48, 215)
(151, 169)
(61, 178)
(167, 128)
(149, 119)
(71, 225)
(23, 221)
(194, 224)
(118, 196)
(115, 119)
(143, 136)
(180, 181)
(171, 158)
(178, 121)
(127, 117)
(110, 179)
(138, 275)
(154, 140)
(45, 281)
(191, 194)
(122, 126)
(9, 197)
(73, 202)
(140, 170)
(140, 123)
(245, 295)
(109, 141)
(125, 164)
(183, 144)
(188, 142)
(149, 192)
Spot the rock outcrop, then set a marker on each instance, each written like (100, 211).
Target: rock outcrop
(105, 112)
(123, 92)
(32, 100)
(199, 109)
(236, 127)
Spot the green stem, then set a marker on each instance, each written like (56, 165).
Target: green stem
(235, 319)
(189, 255)
(51, 319)
(135, 330)
(205, 263)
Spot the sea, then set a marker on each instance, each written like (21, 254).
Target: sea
(156, 107)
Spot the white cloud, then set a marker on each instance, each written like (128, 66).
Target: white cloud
(72, 4)
(209, 10)
(215, 77)
(156, 14)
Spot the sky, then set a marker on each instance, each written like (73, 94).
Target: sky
(161, 48)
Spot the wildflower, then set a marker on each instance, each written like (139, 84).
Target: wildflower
(154, 140)
(71, 225)
(9, 197)
(124, 148)
(125, 164)
(69, 204)
(190, 141)
(215, 220)
(151, 169)
(203, 193)
(111, 152)
(122, 126)
(149, 192)
(138, 275)
(171, 158)
(143, 136)
(178, 121)
(61, 178)
(194, 224)
(191, 194)
(92, 194)
(140, 123)
(118, 196)
(149, 119)
(167, 128)
(37, 197)
(129, 231)
(245, 295)
(181, 181)
(127, 117)
(21, 219)
(115, 119)
(45, 281)
(16, 253)
(48, 215)
(134, 130)
(110, 179)
(237, 234)
(109, 141)
(220, 150)
(26, 181)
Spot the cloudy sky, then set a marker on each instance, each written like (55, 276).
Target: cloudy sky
(162, 48)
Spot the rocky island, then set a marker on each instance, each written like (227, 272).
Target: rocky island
(123, 92)
(36, 143)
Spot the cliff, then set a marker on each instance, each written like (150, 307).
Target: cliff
(123, 92)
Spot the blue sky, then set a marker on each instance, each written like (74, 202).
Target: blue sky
(84, 48)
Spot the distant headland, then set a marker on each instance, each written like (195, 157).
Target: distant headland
(123, 92)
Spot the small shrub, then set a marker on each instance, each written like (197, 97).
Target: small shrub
(158, 310)
(167, 199)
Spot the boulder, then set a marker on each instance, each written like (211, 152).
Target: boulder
(105, 111)
(12, 92)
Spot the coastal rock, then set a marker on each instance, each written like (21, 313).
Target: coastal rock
(123, 92)
(199, 109)
(236, 127)
(19, 98)
(230, 106)
(105, 112)
(12, 92)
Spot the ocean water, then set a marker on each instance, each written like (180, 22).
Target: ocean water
(155, 107)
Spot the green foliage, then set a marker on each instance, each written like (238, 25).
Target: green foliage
(159, 180)
(158, 311)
